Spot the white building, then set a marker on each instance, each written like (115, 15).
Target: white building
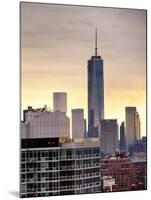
(46, 124)
(108, 182)
(78, 123)
(60, 101)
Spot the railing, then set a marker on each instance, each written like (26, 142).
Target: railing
(88, 166)
(61, 168)
(63, 188)
(87, 185)
(76, 177)
(80, 156)
(53, 179)
(87, 156)
(67, 187)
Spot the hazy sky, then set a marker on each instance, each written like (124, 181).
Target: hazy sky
(57, 41)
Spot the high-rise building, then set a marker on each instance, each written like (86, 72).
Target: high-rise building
(109, 136)
(138, 126)
(60, 101)
(42, 124)
(122, 137)
(53, 166)
(132, 126)
(85, 128)
(95, 93)
(78, 123)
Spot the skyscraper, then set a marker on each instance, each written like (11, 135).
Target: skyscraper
(132, 126)
(122, 137)
(138, 126)
(78, 123)
(95, 93)
(60, 101)
(109, 136)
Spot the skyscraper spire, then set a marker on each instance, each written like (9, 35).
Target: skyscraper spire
(96, 41)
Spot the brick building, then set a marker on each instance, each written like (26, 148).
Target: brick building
(122, 170)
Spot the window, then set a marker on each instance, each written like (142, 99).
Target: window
(44, 165)
(23, 188)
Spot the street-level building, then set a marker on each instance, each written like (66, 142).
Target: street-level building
(122, 170)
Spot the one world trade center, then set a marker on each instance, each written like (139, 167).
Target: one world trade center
(95, 93)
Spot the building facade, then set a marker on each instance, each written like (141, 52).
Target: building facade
(54, 166)
(60, 101)
(132, 126)
(42, 124)
(95, 93)
(78, 123)
(122, 170)
(138, 126)
(141, 173)
(122, 145)
(109, 136)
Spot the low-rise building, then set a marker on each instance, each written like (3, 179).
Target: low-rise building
(122, 169)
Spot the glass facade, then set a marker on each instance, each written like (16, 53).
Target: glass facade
(95, 95)
(59, 171)
(122, 137)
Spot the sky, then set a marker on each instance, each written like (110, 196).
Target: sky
(58, 40)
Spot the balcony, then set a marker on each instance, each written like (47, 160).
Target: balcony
(63, 188)
(87, 166)
(67, 177)
(86, 156)
(31, 169)
(43, 158)
(81, 176)
(87, 185)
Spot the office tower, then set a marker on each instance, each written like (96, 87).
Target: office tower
(85, 128)
(53, 166)
(132, 126)
(144, 142)
(109, 136)
(40, 124)
(78, 124)
(122, 137)
(138, 126)
(60, 101)
(95, 93)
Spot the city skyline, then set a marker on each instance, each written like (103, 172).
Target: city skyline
(57, 50)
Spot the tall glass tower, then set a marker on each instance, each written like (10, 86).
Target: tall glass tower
(95, 93)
